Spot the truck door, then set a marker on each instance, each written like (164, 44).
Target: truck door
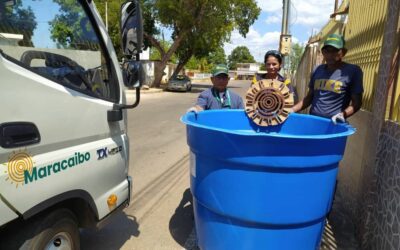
(59, 76)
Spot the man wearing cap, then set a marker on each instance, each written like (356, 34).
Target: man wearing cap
(218, 96)
(335, 88)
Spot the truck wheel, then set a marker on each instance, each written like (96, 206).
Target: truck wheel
(58, 230)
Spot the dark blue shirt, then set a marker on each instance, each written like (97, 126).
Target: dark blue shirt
(210, 99)
(333, 89)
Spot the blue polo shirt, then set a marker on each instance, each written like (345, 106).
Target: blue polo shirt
(211, 99)
(333, 89)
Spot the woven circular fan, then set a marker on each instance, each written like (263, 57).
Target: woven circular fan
(268, 102)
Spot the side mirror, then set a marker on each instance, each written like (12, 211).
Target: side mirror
(132, 42)
(133, 73)
(131, 28)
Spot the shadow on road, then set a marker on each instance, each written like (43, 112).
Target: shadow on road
(113, 235)
(182, 221)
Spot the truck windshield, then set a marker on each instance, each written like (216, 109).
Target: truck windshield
(56, 39)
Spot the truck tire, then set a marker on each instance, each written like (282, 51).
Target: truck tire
(57, 230)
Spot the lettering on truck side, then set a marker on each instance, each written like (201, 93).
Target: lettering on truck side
(42, 172)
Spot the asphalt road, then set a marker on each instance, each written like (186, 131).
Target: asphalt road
(160, 215)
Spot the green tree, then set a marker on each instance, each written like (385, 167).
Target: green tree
(71, 28)
(193, 63)
(217, 56)
(113, 18)
(156, 56)
(18, 20)
(200, 45)
(295, 57)
(206, 63)
(240, 54)
(207, 23)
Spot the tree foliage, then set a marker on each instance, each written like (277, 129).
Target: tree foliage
(71, 28)
(206, 63)
(217, 56)
(16, 19)
(240, 54)
(199, 26)
(156, 56)
(113, 20)
(295, 57)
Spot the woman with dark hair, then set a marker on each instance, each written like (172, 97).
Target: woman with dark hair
(273, 64)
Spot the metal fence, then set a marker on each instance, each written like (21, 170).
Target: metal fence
(364, 36)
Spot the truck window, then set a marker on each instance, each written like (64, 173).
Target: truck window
(56, 39)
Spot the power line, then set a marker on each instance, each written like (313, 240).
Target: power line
(295, 19)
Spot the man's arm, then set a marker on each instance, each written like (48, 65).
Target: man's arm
(303, 104)
(200, 104)
(355, 105)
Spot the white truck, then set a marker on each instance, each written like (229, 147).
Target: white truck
(64, 148)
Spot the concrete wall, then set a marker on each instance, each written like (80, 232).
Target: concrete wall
(351, 167)
(384, 227)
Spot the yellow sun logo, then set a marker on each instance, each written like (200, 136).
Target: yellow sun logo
(17, 164)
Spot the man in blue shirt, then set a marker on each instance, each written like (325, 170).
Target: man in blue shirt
(218, 96)
(335, 89)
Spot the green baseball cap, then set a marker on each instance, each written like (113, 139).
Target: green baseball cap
(334, 40)
(220, 69)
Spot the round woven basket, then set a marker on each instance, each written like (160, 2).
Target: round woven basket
(268, 102)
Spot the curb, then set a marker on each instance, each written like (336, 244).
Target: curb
(142, 91)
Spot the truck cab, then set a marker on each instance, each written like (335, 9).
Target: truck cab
(64, 149)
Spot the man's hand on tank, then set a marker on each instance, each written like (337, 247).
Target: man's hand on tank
(192, 109)
(338, 117)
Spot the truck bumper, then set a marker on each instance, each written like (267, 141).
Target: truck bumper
(100, 224)
(104, 221)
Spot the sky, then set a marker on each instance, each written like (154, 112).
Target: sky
(306, 17)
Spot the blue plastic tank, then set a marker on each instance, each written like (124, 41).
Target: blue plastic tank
(262, 188)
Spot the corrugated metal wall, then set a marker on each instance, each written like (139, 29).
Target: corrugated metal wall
(303, 73)
(364, 34)
(393, 105)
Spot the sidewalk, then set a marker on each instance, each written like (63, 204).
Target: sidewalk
(148, 90)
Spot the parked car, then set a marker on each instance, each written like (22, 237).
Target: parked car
(180, 83)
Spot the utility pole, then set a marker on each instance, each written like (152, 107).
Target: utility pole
(336, 6)
(285, 17)
(286, 38)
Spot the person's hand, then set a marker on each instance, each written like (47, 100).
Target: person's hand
(291, 110)
(192, 109)
(338, 117)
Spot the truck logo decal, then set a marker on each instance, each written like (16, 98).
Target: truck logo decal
(18, 163)
(21, 169)
(114, 151)
(102, 153)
